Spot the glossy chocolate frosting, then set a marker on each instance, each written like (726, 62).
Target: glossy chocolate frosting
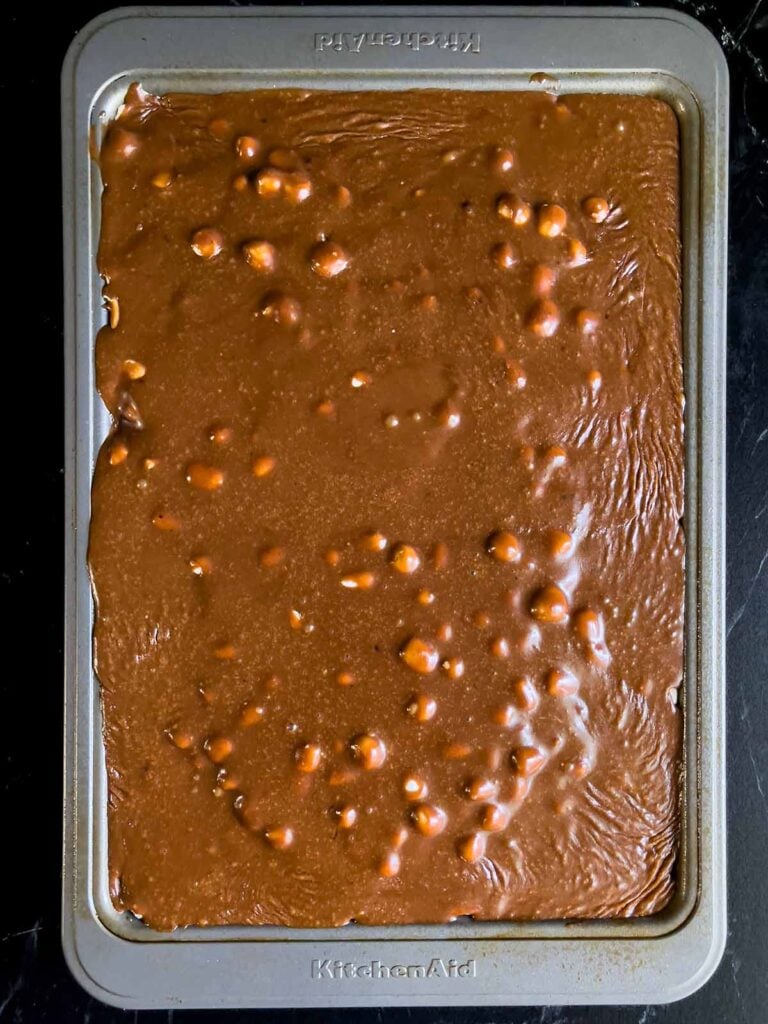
(386, 541)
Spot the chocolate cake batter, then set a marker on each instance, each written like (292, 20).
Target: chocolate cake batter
(386, 540)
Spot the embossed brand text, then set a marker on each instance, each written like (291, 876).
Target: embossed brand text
(355, 42)
(338, 970)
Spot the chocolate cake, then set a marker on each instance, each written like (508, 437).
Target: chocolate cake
(386, 542)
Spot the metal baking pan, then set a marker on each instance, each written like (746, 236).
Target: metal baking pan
(645, 960)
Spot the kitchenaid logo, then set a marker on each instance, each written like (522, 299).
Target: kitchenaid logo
(355, 42)
(339, 970)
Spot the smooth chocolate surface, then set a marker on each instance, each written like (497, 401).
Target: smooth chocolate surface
(387, 543)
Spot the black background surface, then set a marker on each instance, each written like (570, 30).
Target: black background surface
(35, 985)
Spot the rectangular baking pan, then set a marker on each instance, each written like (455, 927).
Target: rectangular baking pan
(645, 960)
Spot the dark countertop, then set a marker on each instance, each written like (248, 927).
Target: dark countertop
(35, 985)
